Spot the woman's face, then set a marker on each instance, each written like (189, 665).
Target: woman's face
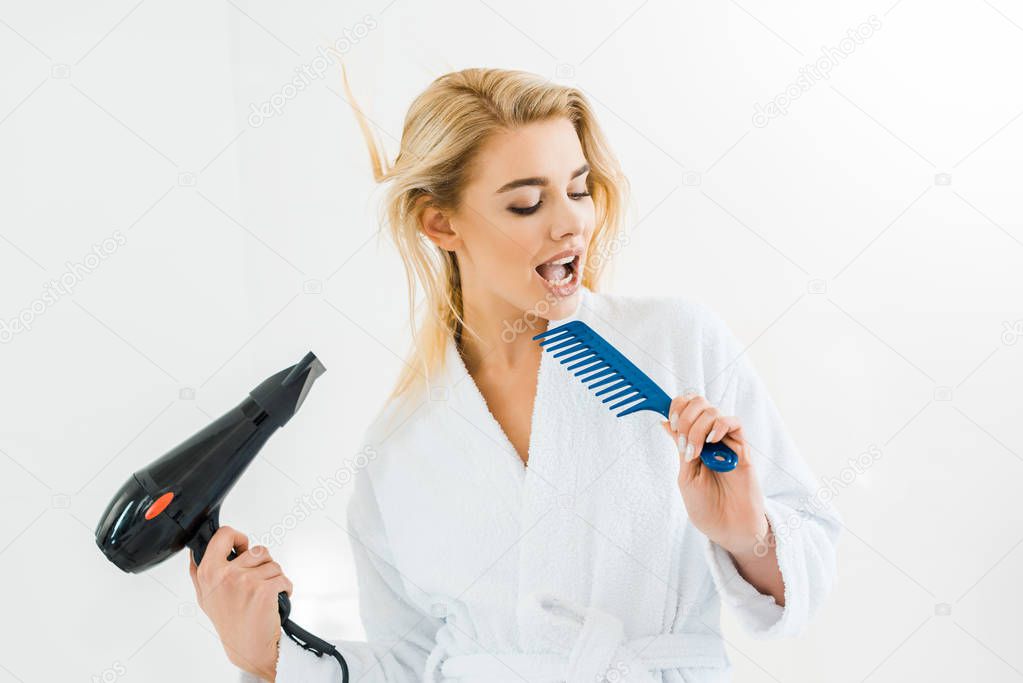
(526, 205)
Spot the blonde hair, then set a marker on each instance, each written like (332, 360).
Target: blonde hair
(444, 128)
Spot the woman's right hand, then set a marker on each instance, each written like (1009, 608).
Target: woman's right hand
(240, 598)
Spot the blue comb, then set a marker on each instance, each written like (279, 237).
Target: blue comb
(598, 360)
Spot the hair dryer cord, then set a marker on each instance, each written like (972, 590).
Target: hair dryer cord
(317, 646)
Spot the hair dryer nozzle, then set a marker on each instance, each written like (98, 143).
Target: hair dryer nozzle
(282, 395)
(305, 371)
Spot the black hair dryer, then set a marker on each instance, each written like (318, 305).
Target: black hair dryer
(175, 501)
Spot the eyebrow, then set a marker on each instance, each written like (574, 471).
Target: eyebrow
(538, 181)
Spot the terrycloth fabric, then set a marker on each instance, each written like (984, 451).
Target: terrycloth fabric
(583, 566)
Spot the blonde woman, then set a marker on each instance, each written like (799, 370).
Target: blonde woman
(506, 526)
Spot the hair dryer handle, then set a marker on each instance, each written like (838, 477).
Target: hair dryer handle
(202, 539)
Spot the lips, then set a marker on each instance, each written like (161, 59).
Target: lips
(560, 273)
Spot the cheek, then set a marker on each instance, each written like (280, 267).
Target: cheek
(496, 244)
(588, 231)
(510, 257)
(589, 214)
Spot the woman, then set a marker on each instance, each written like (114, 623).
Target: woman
(507, 526)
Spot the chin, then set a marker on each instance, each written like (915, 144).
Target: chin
(561, 305)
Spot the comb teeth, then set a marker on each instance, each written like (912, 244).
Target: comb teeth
(596, 361)
(598, 365)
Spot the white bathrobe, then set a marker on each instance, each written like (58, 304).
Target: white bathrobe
(582, 567)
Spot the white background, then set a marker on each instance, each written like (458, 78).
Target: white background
(880, 299)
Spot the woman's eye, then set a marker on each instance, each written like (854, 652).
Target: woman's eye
(526, 210)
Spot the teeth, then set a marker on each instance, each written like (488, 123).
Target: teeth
(562, 261)
(563, 281)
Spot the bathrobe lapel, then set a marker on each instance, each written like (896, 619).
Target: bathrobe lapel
(588, 520)
(550, 386)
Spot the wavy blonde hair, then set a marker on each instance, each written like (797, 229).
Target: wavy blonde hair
(444, 128)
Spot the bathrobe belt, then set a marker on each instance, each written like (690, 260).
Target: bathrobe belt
(599, 652)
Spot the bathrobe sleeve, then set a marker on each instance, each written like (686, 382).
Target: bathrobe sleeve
(400, 635)
(805, 525)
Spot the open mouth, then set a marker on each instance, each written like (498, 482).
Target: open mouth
(560, 275)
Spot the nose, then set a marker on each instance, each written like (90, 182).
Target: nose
(568, 219)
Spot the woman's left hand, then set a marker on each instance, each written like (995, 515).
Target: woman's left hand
(728, 507)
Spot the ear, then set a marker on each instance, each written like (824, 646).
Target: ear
(436, 225)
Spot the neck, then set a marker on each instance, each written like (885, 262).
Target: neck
(501, 336)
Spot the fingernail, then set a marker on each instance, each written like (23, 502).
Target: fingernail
(681, 442)
(689, 452)
(710, 437)
(672, 420)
